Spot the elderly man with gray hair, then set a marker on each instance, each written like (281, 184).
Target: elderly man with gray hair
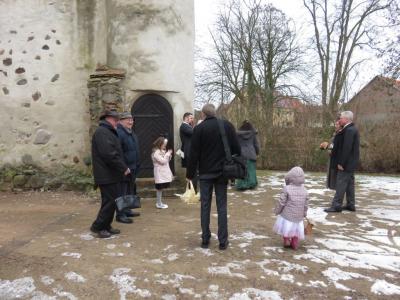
(346, 156)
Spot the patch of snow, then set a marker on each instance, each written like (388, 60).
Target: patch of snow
(226, 270)
(127, 245)
(113, 254)
(252, 293)
(173, 256)
(248, 235)
(205, 252)
(316, 284)
(156, 261)
(388, 214)
(72, 254)
(46, 280)
(335, 274)
(126, 284)
(111, 246)
(310, 257)
(318, 215)
(168, 297)
(72, 276)
(378, 261)
(38, 295)
(287, 277)
(60, 292)
(18, 288)
(336, 244)
(87, 236)
(382, 287)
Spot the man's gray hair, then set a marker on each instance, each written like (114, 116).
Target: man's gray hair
(209, 110)
(347, 114)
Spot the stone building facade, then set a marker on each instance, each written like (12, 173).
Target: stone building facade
(376, 109)
(62, 61)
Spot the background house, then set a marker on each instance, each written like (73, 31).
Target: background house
(376, 109)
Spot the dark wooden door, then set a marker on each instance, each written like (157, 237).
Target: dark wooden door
(153, 118)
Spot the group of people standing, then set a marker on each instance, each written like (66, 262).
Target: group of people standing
(115, 157)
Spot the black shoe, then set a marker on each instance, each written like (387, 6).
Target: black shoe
(350, 208)
(332, 209)
(114, 230)
(132, 214)
(103, 234)
(224, 245)
(94, 230)
(123, 219)
(205, 244)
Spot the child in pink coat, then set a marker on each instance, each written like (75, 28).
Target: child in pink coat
(291, 208)
(162, 173)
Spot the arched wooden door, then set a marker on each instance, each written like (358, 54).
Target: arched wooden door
(153, 118)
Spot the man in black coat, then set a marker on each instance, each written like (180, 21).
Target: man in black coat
(185, 133)
(345, 157)
(130, 150)
(208, 155)
(109, 169)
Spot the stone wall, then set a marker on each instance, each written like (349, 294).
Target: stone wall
(49, 49)
(45, 61)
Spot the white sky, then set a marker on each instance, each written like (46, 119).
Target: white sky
(205, 15)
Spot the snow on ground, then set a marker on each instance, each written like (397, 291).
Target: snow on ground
(345, 249)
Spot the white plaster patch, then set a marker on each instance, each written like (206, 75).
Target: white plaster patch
(382, 287)
(251, 293)
(72, 254)
(126, 284)
(72, 276)
(18, 288)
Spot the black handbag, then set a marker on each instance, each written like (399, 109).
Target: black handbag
(235, 166)
(128, 201)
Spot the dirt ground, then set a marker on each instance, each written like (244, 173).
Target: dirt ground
(48, 252)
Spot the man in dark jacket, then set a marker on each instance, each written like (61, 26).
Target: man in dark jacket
(130, 149)
(109, 169)
(185, 133)
(207, 153)
(345, 157)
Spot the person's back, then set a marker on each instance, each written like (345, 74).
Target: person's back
(248, 144)
(207, 147)
(291, 208)
(207, 153)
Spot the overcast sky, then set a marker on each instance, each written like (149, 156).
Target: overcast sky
(206, 11)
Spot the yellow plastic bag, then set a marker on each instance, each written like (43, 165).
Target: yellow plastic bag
(190, 196)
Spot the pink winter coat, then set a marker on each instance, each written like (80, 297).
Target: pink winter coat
(293, 201)
(162, 172)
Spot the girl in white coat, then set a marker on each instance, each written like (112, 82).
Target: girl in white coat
(162, 173)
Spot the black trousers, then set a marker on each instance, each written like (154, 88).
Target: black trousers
(206, 189)
(344, 186)
(109, 192)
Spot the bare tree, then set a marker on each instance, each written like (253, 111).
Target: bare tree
(256, 52)
(342, 27)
